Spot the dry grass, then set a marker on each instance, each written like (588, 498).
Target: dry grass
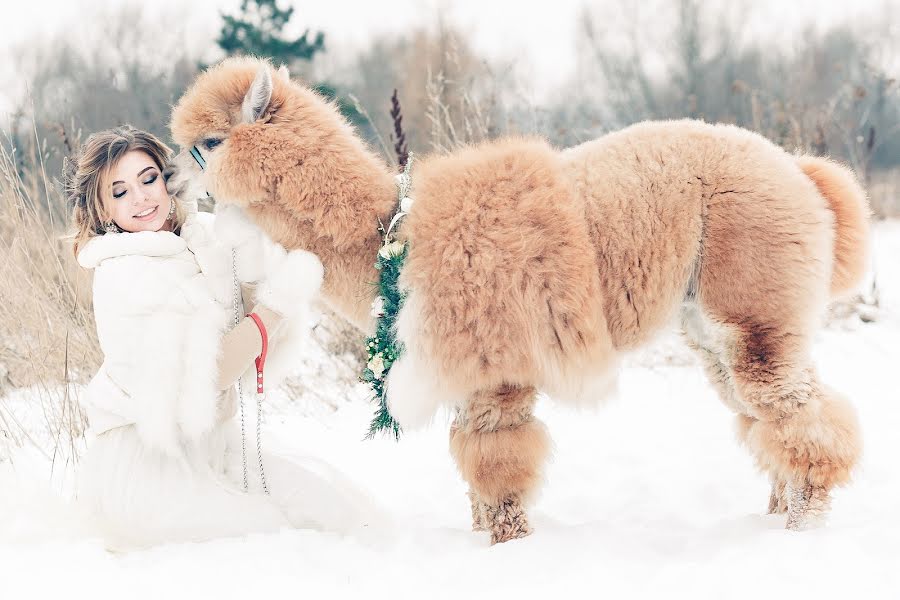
(456, 118)
(46, 322)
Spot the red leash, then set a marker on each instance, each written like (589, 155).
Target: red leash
(261, 359)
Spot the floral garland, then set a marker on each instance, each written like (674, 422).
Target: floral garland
(383, 349)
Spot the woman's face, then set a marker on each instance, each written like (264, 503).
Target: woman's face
(134, 194)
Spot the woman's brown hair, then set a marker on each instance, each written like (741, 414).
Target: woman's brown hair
(84, 175)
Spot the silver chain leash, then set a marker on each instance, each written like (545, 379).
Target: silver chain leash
(262, 471)
(238, 316)
(238, 305)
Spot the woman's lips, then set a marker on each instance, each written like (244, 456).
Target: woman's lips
(149, 216)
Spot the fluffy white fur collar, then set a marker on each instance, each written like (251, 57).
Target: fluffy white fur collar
(142, 243)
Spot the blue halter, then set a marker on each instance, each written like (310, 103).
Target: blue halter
(199, 158)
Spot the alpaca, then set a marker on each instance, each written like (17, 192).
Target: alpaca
(535, 269)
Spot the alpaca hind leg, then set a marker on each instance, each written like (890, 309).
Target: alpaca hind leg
(804, 435)
(710, 341)
(778, 495)
(500, 450)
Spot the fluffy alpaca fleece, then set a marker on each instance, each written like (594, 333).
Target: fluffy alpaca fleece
(534, 269)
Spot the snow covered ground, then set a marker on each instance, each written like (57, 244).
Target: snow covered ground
(649, 496)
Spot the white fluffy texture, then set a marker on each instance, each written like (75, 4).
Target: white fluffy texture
(160, 320)
(258, 96)
(414, 390)
(163, 469)
(214, 259)
(147, 304)
(235, 230)
(587, 391)
(196, 413)
(286, 348)
(291, 282)
(139, 497)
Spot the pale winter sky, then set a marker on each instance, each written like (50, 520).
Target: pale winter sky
(538, 38)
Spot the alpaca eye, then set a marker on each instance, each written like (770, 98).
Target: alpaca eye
(212, 143)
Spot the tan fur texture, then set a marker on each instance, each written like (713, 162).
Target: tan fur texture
(499, 447)
(502, 463)
(327, 202)
(531, 268)
(850, 206)
(524, 258)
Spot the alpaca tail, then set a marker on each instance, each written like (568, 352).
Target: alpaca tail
(848, 202)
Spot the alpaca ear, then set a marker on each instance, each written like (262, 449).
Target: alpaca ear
(258, 96)
(283, 73)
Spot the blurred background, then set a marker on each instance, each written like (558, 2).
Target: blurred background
(427, 76)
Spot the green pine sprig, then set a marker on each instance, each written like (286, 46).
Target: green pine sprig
(383, 349)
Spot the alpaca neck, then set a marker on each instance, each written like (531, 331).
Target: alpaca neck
(345, 237)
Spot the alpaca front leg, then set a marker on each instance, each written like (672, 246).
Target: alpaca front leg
(500, 450)
(507, 520)
(808, 505)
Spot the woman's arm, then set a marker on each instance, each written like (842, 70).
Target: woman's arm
(241, 346)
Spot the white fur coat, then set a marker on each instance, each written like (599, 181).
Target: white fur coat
(163, 469)
(161, 304)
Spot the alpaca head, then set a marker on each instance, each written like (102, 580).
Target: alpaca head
(265, 138)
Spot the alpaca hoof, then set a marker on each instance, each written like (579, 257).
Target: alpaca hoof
(507, 521)
(808, 507)
(778, 501)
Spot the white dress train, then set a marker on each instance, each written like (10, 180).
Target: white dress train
(140, 497)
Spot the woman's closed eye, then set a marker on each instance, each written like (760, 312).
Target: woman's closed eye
(150, 180)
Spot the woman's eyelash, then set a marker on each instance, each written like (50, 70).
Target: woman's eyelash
(147, 181)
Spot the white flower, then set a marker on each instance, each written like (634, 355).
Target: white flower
(377, 306)
(376, 365)
(406, 204)
(391, 249)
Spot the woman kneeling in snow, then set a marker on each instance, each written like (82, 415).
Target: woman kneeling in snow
(165, 461)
